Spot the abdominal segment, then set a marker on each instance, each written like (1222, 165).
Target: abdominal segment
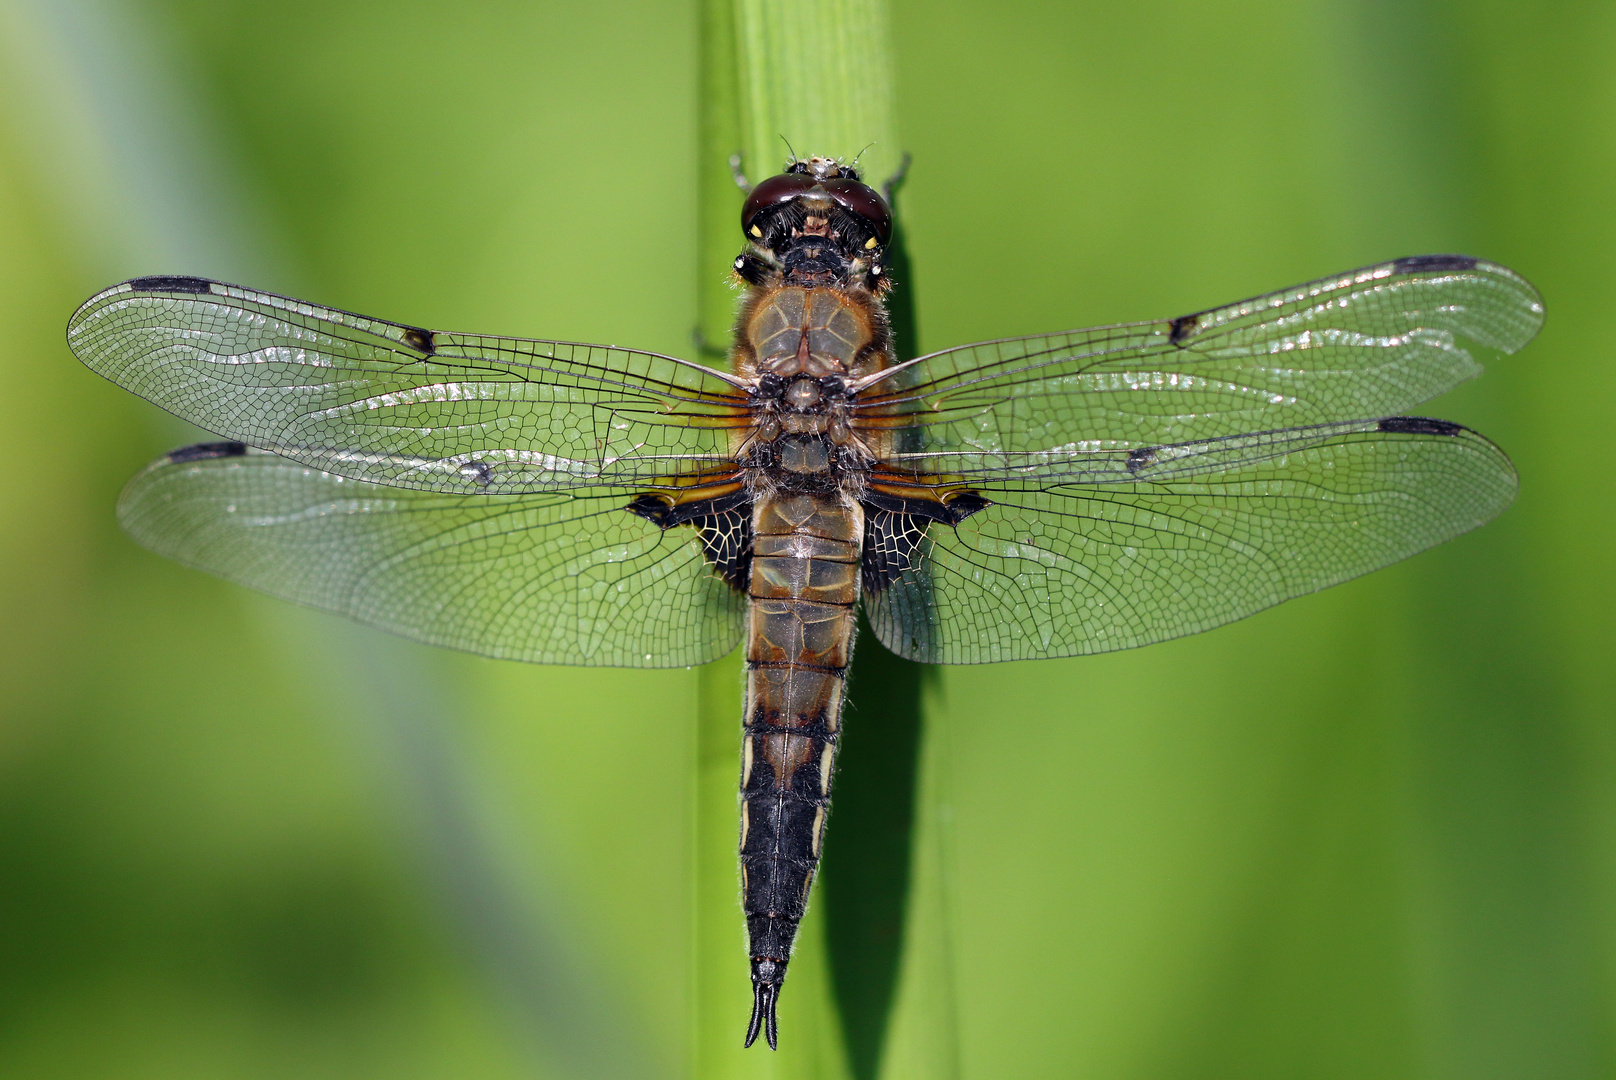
(804, 585)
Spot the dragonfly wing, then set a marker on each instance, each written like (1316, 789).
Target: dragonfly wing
(549, 577)
(1127, 548)
(1371, 342)
(396, 404)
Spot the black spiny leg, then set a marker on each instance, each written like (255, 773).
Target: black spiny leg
(752, 269)
(766, 978)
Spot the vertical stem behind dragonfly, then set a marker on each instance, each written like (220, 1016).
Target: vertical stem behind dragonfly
(819, 73)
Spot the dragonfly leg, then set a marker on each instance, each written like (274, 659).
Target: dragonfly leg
(740, 177)
(895, 181)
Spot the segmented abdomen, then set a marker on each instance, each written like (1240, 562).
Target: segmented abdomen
(804, 587)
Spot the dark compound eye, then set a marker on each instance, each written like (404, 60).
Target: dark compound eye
(771, 193)
(861, 199)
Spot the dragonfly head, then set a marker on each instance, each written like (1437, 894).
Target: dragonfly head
(817, 218)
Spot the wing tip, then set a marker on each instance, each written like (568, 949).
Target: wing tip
(414, 338)
(1447, 429)
(1530, 300)
(180, 284)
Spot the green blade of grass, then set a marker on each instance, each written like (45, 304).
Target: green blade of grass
(818, 74)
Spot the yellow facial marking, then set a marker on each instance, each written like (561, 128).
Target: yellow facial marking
(757, 231)
(870, 243)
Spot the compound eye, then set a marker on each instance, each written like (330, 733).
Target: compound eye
(861, 199)
(769, 194)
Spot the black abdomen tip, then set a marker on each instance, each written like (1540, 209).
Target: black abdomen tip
(767, 975)
(171, 283)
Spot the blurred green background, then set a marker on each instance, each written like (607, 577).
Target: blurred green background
(1369, 833)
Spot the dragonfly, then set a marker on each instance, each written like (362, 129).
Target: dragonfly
(1045, 496)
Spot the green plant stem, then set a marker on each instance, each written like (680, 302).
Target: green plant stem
(820, 74)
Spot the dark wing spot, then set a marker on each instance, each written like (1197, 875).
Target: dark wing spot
(1416, 263)
(478, 472)
(895, 531)
(1141, 459)
(726, 541)
(165, 283)
(723, 523)
(662, 511)
(420, 340)
(963, 506)
(652, 509)
(207, 451)
(1182, 327)
(1419, 425)
(954, 510)
(892, 543)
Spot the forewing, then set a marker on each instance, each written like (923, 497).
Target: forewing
(1135, 548)
(1372, 342)
(551, 577)
(381, 401)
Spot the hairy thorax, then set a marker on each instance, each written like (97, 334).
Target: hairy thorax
(804, 346)
(791, 330)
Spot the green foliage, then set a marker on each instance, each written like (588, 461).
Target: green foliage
(1368, 833)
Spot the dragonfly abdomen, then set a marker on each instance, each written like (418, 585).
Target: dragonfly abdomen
(804, 587)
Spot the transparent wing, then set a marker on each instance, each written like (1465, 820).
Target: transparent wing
(381, 401)
(1140, 547)
(551, 577)
(1372, 342)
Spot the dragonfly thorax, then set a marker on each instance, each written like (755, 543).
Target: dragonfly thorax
(802, 440)
(803, 393)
